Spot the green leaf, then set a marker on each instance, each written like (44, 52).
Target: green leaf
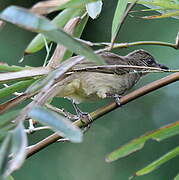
(15, 145)
(38, 84)
(19, 145)
(15, 87)
(5, 67)
(48, 6)
(165, 4)
(75, 3)
(177, 177)
(4, 155)
(9, 178)
(5, 130)
(77, 33)
(58, 123)
(171, 154)
(60, 20)
(167, 8)
(136, 144)
(7, 118)
(164, 15)
(33, 22)
(117, 19)
(94, 9)
(6, 122)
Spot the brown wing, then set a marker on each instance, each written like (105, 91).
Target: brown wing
(110, 59)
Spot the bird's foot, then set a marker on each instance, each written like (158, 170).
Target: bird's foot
(62, 111)
(86, 120)
(116, 98)
(84, 116)
(69, 115)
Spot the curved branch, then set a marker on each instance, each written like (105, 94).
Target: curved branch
(108, 108)
(130, 44)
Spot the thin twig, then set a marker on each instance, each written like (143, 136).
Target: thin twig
(30, 131)
(130, 44)
(61, 111)
(113, 67)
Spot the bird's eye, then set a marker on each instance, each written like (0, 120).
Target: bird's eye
(149, 61)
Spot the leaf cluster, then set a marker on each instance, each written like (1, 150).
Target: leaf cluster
(40, 84)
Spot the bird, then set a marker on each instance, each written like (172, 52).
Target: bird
(86, 86)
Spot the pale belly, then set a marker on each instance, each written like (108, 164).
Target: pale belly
(93, 86)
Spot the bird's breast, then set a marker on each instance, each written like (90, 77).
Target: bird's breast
(90, 86)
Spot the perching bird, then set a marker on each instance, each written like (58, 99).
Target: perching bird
(111, 82)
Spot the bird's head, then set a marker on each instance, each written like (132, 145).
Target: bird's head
(143, 58)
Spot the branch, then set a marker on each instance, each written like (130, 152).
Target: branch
(130, 44)
(108, 108)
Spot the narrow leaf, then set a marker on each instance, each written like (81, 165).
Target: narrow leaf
(164, 7)
(75, 3)
(4, 154)
(58, 123)
(33, 22)
(6, 118)
(38, 84)
(117, 19)
(177, 177)
(9, 178)
(19, 144)
(4, 131)
(60, 50)
(46, 7)
(77, 33)
(60, 20)
(164, 15)
(13, 102)
(24, 74)
(136, 144)
(94, 9)
(15, 87)
(171, 154)
(5, 67)
(165, 4)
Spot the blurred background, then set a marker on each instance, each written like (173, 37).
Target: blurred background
(86, 161)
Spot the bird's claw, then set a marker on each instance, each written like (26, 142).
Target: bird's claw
(117, 99)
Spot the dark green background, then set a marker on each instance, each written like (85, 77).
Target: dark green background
(85, 161)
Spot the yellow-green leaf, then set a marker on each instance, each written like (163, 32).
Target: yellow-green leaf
(136, 144)
(171, 154)
(120, 9)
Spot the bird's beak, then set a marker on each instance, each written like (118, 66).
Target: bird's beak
(162, 66)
